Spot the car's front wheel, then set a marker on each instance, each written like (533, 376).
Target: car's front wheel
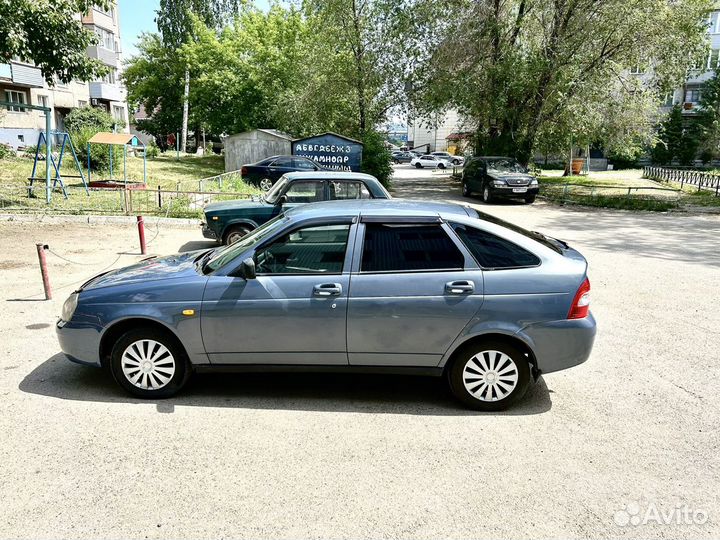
(487, 195)
(235, 233)
(489, 376)
(418, 166)
(441, 165)
(465, 190)
(149, 363)
(530, 199)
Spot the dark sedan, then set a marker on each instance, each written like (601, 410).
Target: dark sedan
(265, 173)
(402, 157)
(498, 177)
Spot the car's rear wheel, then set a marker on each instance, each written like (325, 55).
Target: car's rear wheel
(149, 363)
(441, 165)
(486, 195)
(489, 376)
(418, 166)
(530, 199)
(266, 184)
(235, 233)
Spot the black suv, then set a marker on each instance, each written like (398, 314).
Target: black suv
(498, 177)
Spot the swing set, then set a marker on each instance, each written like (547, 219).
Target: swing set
(63, 141)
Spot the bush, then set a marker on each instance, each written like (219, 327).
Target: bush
(5, 151)
(90, 117)
(376, 158)
(99, 153)
(151, 150)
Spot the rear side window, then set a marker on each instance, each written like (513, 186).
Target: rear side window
(492, 252)
(405, 247)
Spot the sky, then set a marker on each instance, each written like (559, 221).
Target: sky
(137, 16)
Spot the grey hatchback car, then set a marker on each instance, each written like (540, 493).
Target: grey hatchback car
(354, 286)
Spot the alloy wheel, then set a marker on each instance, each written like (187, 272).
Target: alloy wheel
(490, 376)
(148, 364)
(266, 184)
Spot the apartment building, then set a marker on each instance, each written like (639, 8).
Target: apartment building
(22, 83)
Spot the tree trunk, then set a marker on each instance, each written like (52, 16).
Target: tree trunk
(186, 95)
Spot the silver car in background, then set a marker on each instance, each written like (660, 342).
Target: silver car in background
(383, 286)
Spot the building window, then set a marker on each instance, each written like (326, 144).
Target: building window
(15, 96)
(713, 58)
(82, 103)
(43, 102)
(109, 77)
(713, 23)
(636, 70)
(692, 95)
(118, 113)
(107, 39)
(669, 99)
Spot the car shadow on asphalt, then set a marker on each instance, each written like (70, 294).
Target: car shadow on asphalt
(376, 394)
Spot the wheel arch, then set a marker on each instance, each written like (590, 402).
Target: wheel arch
(477, 339)
(113, 332)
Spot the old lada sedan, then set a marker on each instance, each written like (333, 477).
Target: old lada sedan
(371, 286)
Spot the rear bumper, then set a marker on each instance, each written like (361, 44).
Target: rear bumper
(509, 193)
(207, 232)
(561, 344)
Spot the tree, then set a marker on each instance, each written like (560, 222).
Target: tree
(675, 140)
(708, 119)
(515, 68)
(175, 23)
(50, 35)
(153, 79)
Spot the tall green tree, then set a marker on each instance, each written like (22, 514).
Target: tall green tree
(514, 68)
(175, 21)
(50, 34)
(708, 119)
(677, 140)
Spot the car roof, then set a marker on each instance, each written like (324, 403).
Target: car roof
(330, 175)
(380, 207)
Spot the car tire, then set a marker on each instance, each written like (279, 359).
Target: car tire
(265, 184)
(235, 233)
(441, 166)
(149, 363)
(487, 195)
(530, 199)
(456, 162)
(466, 190)
(489, 376)
(418, 166)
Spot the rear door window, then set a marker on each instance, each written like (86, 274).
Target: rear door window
(349, 190)
(492, 252)
(283, 162)
(390, 247)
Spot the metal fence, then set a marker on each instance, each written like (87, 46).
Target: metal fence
(585, 193)
(701, 179)
(159, 201)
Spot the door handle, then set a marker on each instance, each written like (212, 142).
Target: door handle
(327, 289)
(460, 287)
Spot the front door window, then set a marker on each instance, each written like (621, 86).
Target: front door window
(309, 250)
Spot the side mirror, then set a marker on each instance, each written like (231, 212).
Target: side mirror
(247, 269)
(282, 200)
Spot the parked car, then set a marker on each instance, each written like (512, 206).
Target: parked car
(370, 286)
(265, 173)
(228, 221)
(429, 160)
(498, 177)
(447, 156)
(402, 157)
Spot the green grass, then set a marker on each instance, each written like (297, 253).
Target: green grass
(164, 171)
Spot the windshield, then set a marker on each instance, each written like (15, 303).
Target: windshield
(221, 256)
(505, 165)
(272, 195)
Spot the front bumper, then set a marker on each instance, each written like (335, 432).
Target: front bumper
(509, 191)
(559, 345)
(80, 344)
(207, 232)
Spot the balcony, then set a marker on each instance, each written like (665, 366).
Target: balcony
(106, 56)
(105, 91)
(22, 75)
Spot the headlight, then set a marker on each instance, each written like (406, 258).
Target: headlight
(69, 307)
(498, 183)
(534, 182)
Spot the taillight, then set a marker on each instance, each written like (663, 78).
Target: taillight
(243, 171)
(581, 303)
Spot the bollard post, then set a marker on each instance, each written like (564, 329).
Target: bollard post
(141, 234)
(43, 269)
